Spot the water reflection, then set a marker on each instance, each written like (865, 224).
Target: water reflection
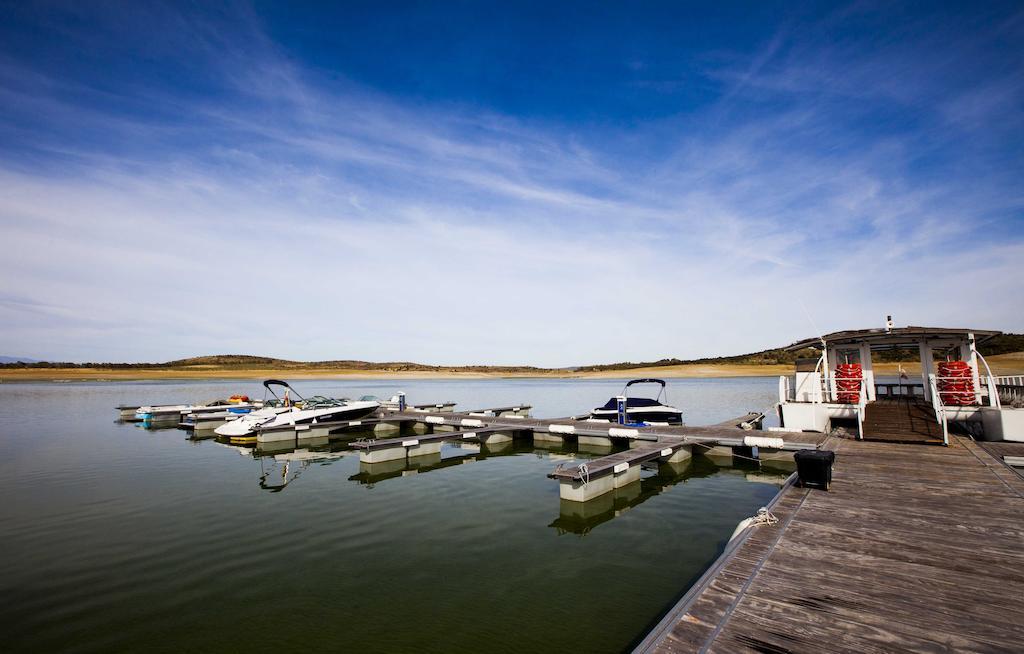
(279, 470)
(282, 463)
(581, 517)
(452, 454)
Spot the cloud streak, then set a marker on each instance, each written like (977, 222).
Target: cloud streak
(295, 213)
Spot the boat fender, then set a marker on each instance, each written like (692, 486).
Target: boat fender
(746, 522)
(763, 517)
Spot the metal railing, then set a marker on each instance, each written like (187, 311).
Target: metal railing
(1008, 388)
(786, 391)
(830, 391)
(939, 408)
(888, 390)
(993, 391)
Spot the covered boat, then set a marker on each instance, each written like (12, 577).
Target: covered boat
(651, 411)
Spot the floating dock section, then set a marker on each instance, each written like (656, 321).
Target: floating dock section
(584, 482)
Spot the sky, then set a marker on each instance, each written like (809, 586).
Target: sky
(503, 183)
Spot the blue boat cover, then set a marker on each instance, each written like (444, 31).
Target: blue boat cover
(632, 402)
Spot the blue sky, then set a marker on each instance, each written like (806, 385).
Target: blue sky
(545, 183)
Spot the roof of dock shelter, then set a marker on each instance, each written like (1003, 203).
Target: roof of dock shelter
(880, 338)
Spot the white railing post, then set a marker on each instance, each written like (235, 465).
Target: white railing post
(993, 392)
(940, 411)
(861, 406)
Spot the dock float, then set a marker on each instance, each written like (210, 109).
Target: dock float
(289, 432)
(497, 412)
(393, 449)
(586, 481)
(912, 549)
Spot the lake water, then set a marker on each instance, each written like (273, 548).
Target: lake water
(118, 538)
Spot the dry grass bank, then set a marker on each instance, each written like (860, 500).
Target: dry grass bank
(1003, 364)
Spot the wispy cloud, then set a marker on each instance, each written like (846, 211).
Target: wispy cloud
(298, 214)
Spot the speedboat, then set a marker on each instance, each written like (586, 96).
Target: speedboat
(645, 410)
(284, 411)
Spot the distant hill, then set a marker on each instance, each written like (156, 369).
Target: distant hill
(1002, 344)
(4, 359)
(250, 362)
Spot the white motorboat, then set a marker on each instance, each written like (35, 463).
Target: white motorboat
(301, 412)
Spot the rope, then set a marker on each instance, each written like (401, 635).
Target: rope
(764, 517)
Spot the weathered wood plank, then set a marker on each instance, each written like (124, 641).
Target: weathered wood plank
(914, 549)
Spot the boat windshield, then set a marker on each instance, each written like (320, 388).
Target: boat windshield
(321, 402)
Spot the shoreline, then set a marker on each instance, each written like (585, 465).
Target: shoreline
(1003, 364)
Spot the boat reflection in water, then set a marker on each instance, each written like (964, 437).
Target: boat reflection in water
(282, 463)
(581, 517)
(279, 470)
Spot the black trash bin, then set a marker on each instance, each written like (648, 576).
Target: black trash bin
(814, 467)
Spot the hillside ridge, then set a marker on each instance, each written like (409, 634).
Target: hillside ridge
(1002, 344)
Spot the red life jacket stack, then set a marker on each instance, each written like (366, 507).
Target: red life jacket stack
(848, 381)
(956, 383)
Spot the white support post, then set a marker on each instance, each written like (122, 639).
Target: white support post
(829, 373)
(869, 371)
(925, 351)
(969, 353)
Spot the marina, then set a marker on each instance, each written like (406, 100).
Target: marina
(459, 328)
(902, 459)
(197, 523)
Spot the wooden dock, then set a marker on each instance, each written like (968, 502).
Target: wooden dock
(913, 549)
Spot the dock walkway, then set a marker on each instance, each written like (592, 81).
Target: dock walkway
(914, 548)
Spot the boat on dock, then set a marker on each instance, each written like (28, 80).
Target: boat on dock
(956, 387)
(639, 410)
(143, 412)
(174, 414)
(207, 422)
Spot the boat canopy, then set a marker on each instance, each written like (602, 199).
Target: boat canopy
(277, 382)
(884, 339)
(661, 391)
(646, 381)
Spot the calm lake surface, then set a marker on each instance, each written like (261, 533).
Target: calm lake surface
(119, 538)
